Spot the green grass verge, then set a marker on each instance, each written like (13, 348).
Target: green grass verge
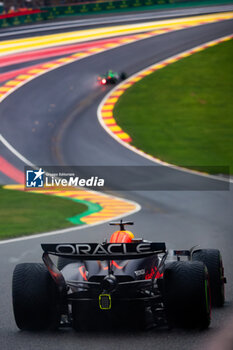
(182, 114)
(25, 213)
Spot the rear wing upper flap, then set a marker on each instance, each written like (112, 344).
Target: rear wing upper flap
(105, 251)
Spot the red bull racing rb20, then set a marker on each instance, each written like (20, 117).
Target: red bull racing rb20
(125, 282)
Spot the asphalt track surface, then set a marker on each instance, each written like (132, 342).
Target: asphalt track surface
(68, 133)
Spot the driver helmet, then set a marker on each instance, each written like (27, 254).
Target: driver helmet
(122, 237)
(110, 73)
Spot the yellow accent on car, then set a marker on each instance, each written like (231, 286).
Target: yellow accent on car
(105, 301)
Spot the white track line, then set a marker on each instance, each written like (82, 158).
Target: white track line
(15, 152)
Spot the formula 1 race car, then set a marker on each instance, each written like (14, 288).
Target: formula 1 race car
(111, 77)
(125, 282)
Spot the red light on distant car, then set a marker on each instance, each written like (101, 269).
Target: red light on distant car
(103, 81)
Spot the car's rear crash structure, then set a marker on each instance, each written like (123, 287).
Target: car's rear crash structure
(127, 282)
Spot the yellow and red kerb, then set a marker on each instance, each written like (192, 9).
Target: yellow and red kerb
(112, 207)
(106, 111)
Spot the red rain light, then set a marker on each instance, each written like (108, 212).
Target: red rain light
(103, 81)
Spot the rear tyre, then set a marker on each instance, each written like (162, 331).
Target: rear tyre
(123, 76)
(187, 294)
(213, 261)
(35, 298)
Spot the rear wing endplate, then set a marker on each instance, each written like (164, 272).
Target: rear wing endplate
(105, 251)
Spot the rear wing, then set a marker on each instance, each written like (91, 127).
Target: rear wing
(105, 251)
